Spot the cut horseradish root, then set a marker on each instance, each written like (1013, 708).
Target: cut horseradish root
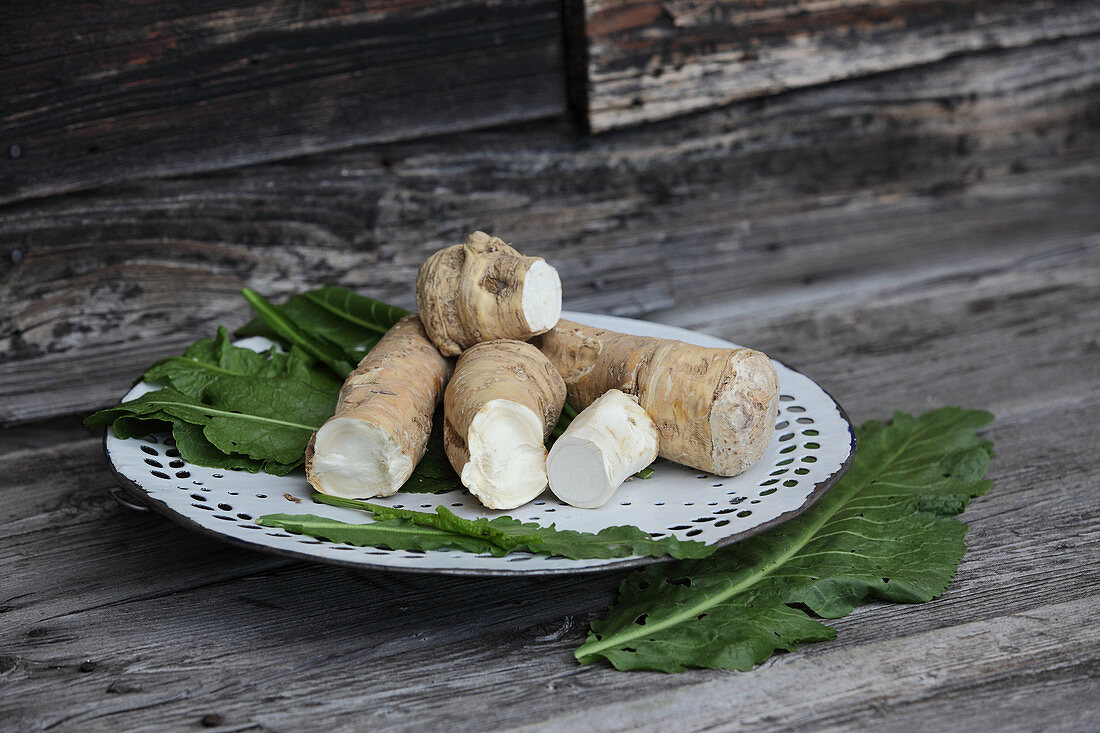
(714, 408)
(354, 459)
(499, 407)
(507, 465)
(610, 440)
(383, 417)
(541, 299)
(484, 290)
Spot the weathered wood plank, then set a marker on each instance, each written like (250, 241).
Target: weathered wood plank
(644, 60)
(77, 480)
(42, 434)
(96, 94)
(987, 323)
(1009, 702)
(179, 627)
(760, 203)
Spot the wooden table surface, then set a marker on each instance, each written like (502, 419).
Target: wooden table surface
(924, 237)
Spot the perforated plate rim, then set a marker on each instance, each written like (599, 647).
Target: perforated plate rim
(141, 494)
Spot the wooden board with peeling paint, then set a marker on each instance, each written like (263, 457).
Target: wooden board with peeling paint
(635, 61)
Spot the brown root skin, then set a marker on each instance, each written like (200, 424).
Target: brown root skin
(497, 381)
(714, 408)
(395, 389)
(474, 292)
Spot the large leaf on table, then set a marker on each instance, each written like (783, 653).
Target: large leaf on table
(887, 530)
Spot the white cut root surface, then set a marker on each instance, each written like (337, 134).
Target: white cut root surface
(354, 460)
(498, 410)
(507, 464)
(541, 299)
(610, 440)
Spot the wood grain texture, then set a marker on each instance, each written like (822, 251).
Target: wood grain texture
(910, 239)
(647, 60)
(735, 211)
(176, 626)
(99, 93)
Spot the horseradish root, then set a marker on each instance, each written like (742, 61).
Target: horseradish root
(714, 408)
(611, 439)
(499, 407)
(383, 417)
(484, 290)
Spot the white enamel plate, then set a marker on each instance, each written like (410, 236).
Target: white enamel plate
(811, 450)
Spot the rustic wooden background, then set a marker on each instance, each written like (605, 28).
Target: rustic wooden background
(900, 198)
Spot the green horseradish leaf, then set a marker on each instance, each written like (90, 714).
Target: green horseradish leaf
(433, 475)
(566, 417)
(262, 419)
(196, 449)
(320, 348)
(335, 317)
(395, 534)
(617, 541)
(349, 306)
(207, 359)
(513, 535)
(886, 531)
(292, 387)
(443, 519)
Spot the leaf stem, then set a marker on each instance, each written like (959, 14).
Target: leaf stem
(206, 410)
(286, 328)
